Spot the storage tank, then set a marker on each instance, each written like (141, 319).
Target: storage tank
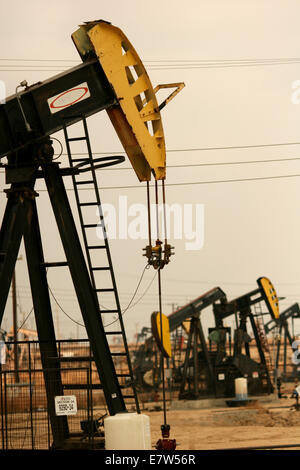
(127, 431)
(241, 389)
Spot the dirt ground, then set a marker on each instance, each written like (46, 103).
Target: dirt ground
(258, 424)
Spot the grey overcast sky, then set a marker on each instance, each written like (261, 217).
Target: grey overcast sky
(235, 96)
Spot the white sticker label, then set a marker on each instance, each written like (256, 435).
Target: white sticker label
(69, 97)
(65, 405)
(255, 375)
(2, 352)
(221, 377)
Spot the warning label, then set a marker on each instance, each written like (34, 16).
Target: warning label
(69, 97)
(65, 405)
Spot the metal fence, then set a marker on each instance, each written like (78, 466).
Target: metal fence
(26, 419)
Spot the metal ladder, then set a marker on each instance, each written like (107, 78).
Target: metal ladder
(263, 338)
(89, 167)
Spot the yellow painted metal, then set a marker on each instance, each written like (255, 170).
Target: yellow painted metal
(178, 87)
(163, 341)
(186, 326)
(270, 296)
(137, 118)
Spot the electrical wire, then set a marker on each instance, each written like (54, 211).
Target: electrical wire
(24, 321)
(272, 59)
(200, 149)
(156, 65)
(134, 294)
(58, 304)
(193, 165)
(191, 183)
(164, 60)
(215, 60)
(217, 66)
(233, 147)
(144, 293)
(122, 313)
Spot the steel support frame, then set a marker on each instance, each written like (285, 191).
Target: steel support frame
(85, 292)
(287, 338)
(21, 220)
(196, 335)
(260, 351)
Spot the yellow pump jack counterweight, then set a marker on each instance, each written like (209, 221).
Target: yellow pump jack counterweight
(136, 118)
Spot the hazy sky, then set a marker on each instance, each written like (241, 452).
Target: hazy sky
(251, 227)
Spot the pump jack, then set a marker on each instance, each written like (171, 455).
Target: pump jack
(104, 81)
(205, 372)
(230, 367)
(282, 324)
(197, 357)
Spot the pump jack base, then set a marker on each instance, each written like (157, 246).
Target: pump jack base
(166, 444)
(235, 402)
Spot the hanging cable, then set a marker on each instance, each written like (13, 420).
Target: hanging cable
(72, 319)
(158, 256)
(24, 321)
(149, 214)
(156, 211)
(161, 334)
(164, 212)
(135, 292)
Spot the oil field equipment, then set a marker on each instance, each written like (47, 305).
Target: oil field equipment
(240, 364)
(111, 77)
(208, 369)
(193, 371)
(282, 326)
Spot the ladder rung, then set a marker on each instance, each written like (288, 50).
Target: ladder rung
(72, 359)
(84, 182)
(118, 354)
(88, 204)
(123, 375)
(105, 268)
(109, 311)
(91, 225)
(73, 116)
(55, 264)
(72, 139)
(82, 386)
(113, 332)
(94, 247)
(109, 289)
(128, 396)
